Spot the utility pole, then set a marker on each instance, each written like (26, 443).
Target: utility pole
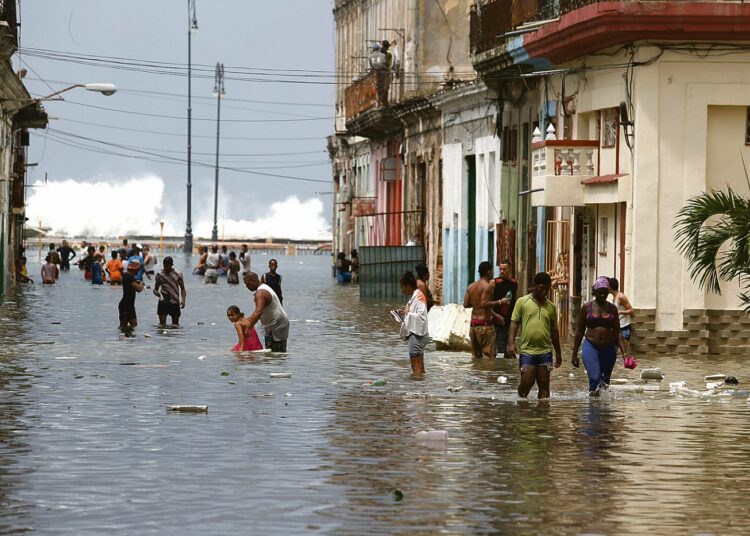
(219, 93)
(192, 28)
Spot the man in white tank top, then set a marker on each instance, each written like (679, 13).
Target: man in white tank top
(269, 312)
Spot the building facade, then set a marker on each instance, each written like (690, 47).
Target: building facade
(18, 113)
(632, 111)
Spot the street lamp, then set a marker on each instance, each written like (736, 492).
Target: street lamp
(219, 93)
(106, 89)
(192, 28)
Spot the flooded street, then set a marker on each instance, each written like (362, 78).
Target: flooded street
(89, 448)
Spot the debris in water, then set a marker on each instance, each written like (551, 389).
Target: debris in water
(200, 323)
(225, 373)
(66, 357)
(146, 336)
(571, 376)
(378, 383)
(281, 375)
(652, 374)
(232, 383)
(502, 379)
(713, 385)
(56, 323)
(288, 395)
(721, 377)
(618, 381)
(187, 409)
(397, 493)
(201, 357)
(431, 435)
(676, 385)
(455, 389)
(731, 380)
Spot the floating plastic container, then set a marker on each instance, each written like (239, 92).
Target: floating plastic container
(187, 409)
(502, 379)
(652, 374)
(431, 435)
(721, 377)
(281, 375)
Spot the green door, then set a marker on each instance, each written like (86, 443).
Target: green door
(471, 213)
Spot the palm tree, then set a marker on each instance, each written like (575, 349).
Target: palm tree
(706, 224)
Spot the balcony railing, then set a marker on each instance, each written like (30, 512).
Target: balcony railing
(490, 19)
(361, 95)
(564, 157)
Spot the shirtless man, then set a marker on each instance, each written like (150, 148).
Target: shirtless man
(269, 311)
(479, 297)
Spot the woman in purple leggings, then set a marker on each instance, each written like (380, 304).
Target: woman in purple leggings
(600, 322)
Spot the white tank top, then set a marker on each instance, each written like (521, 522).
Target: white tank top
(274, 317)
(624, 319)
(150, 263)
(212, 261)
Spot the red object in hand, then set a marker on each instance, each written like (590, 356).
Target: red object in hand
(630, 362)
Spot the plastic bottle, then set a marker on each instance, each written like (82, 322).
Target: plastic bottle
(431, 435)
(379, 383)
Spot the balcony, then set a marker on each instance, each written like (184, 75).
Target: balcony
(576, 28)
(367, 113)
(557, 169)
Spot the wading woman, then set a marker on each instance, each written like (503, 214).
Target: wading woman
(599, 323)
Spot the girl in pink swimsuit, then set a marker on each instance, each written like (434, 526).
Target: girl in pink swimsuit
(248, 337)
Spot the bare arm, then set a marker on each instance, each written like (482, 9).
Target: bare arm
(138, 286)
(512, 332)
(556, 346)
(625, 302)
(183, 291)
(467, 300)
(156, 288)
(262, 297)
(578, 336)
(240, 335)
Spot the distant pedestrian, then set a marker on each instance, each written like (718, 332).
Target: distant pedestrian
(598, 322)
(97, 270)
(624, 310)
(343, 268)
(130, 285)
(50, 273)
(22, 274)
(536, 318)
(233, 269)
(248, 340)
(270, 313)
(86, 263)
(114, 269)
(245, 258)
(54, 256)
(200, 268)
(213, 263)
(355, 266)
(423, 279)
(135, 255)
(273, 279)
(479, 297)
(170, 289)
(66, 255)
(82, 252)
(506, 290)
(224, 268)
(414, 322)
(149, 261)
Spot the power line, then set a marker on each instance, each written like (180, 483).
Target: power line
(182, 134)
(59, 136)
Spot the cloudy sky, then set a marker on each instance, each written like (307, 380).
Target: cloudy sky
(278, 57)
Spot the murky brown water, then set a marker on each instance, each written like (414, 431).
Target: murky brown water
(86, 446)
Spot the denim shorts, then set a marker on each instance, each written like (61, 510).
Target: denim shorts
(625, 333)
(538, 360)
(417, 344)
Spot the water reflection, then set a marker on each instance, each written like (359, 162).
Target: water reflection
(88, 448)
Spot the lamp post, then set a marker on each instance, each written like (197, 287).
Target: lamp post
(219, 92)
(192, 27)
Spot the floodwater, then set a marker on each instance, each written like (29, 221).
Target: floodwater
(87, 446)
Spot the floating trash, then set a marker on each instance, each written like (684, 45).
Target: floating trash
(652, 374)
(731, 380)
(431, 435)
(397, 494)
(455, 389)
(281, 375)
(201, 357)
(66, 357)
(146, 336)
(230, 382)
(225, 373)
(618, 381)
(187, 409)
(378, 383)
(502, 379)
(721, 377)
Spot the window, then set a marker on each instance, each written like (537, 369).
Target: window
(610, 124)
(603, 235)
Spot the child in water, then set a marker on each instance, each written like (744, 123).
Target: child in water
(246, 334)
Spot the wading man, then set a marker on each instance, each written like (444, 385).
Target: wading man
(479, 297)
(506, 289)
(536, 317)
(170, 289)
(269, 311)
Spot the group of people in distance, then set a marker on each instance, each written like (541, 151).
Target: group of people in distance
(526, 327)
(129, 265)
(347, 270)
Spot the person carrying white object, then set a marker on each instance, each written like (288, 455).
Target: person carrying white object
(414, 326)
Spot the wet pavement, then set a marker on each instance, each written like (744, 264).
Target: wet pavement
(87, 446)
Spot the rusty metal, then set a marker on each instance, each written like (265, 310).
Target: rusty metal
(360, 96)
(488, 21)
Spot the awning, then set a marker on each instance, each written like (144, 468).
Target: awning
(603, 179)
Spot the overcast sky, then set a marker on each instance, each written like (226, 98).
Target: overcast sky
(280, 34)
